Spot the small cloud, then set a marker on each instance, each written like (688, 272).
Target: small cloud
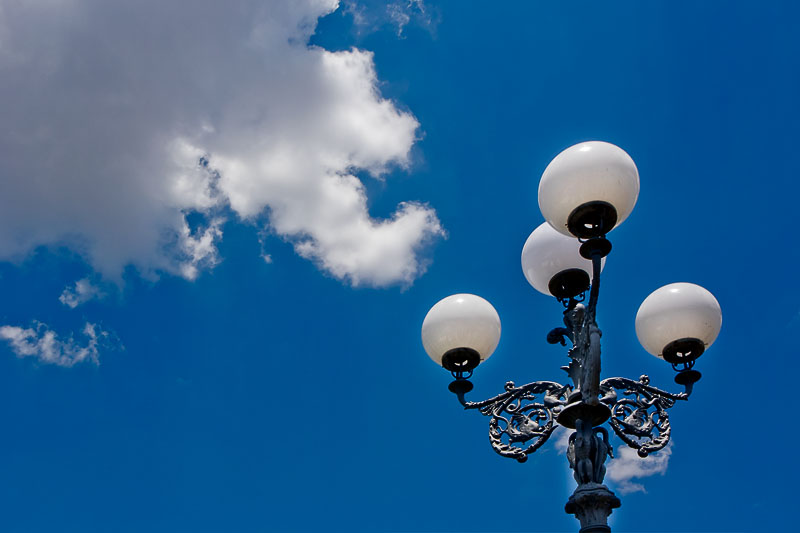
(358, 12)
(628, 466)
(371, 17)
(561, 435)
(199, 248)
(83, 291)
(401, 13)
(41, 342)
(263, 234)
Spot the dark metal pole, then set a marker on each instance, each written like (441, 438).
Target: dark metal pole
(592, 502)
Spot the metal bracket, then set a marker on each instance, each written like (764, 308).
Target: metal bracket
(640, 417)
(521, 414)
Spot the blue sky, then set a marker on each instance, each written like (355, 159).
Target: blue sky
(253, 360)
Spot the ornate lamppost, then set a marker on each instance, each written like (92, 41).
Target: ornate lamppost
(584, 193)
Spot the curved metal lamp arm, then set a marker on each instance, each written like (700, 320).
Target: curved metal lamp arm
(640, 417)
(521, 414)
(594, 292)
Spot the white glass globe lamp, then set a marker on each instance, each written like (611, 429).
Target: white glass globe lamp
(553, 265)
(460, 331)
(588, 189)
(678, 322)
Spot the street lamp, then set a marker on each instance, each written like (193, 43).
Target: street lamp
(585, 192)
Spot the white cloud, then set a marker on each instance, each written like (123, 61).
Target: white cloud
(404, 12)
(627, 466)
(83, 291)
(399, 14)
(43, 343)
(561, 435)
(198, 250)
(368, 17)
(121, 121)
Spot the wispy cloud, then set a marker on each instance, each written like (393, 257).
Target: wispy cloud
(369, 17)
(42, 343)
(402, 12)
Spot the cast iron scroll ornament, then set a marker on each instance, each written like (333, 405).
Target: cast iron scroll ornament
(521, 414)
(640, 418)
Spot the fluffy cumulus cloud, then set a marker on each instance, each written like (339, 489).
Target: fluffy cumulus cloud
(133, 131)
(42, 343)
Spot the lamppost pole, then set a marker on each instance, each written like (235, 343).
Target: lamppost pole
(585, 192)
(592, 502)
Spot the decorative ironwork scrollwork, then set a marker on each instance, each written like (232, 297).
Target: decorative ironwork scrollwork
(640, 417)
(522, 414)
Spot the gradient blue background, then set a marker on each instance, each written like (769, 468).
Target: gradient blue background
(273, 398)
